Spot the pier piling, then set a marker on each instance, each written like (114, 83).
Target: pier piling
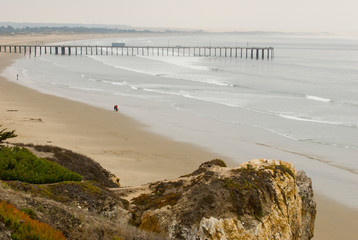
(201, 51)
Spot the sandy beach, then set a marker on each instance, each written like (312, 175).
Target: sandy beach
(117, 142)
(121, 144)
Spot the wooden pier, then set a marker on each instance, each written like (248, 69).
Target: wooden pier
(209, 51)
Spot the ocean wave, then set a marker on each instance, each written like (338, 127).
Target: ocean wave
(196, 78)
(307, 119)
(332, 144)
(136, 70)
(201, 79)
(124, 83)
(134, 87)
(98, 58)
(215, 82)
(278, 132)
(179, 61)
(315, 98)
(87, 89)
(210, 99)
(190, 96)
(163, 92)
(179, 76)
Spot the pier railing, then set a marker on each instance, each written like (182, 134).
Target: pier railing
(209, 51)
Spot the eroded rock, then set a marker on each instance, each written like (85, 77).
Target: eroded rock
(260, 199)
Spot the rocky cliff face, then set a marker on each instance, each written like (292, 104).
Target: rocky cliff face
(260, 199)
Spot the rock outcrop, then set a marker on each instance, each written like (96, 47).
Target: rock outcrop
(260, 199)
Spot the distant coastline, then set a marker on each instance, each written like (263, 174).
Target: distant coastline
(15, 28)
(9, 28)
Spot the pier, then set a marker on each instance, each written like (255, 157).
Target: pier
(183, 51)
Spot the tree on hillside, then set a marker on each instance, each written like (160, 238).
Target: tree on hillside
(6, 134)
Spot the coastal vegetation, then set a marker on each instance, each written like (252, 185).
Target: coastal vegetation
(66, 191)
(20, 164)
(65, 195)
(24, 227)
(6, 134)
(78, 163)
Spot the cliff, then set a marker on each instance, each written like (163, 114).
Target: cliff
(260, 199)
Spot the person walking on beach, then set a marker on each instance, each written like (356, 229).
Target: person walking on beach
(17, 76)
(116, 108)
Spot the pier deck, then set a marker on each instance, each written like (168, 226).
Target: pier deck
(185, 51)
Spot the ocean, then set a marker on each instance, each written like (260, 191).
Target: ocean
(301, 106)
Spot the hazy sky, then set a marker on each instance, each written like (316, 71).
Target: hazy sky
(281, 15)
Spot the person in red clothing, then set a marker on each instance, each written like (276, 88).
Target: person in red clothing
(116, 108)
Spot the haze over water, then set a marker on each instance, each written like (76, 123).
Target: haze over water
(301, 107)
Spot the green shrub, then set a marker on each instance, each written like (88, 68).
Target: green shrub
(20, 164)
(23, 227)
(6, 134)
(31, 213)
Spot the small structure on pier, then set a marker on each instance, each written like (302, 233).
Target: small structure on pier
(117, 44)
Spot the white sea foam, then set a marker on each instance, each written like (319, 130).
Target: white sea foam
(186, 94)
(279, 132)
(315, 98)
(124, 83)
(126, 68)
(186, 62)
(216, 82)
(163, 92)
(139, 70)
(222, 101)
(87, 89)
(159, 72)
(307, 119)
(134, 87)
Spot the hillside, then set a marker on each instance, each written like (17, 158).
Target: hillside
(48, 192)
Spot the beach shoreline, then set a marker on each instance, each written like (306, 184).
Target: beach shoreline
(121, 144)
